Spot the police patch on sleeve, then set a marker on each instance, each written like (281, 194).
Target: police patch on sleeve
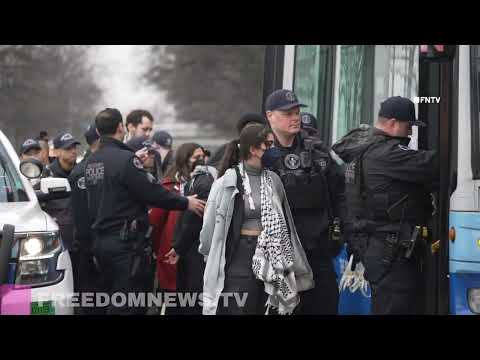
(137, 163)
(81, 183)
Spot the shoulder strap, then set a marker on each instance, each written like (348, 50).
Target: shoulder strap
(239, 180)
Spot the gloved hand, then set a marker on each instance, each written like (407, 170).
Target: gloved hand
(354, 279)
(347, 276)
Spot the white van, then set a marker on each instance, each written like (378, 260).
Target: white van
(38, 259)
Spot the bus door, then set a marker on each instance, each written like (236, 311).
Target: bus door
(437, 106)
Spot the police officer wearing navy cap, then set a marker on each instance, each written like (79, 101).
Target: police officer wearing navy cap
(309, 123)
(86, 277)
(314, 185)
(394, 186)
(66, 147)
(118, 193)
(30, 148)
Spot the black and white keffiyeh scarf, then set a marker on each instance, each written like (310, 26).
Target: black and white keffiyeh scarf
(274, 257)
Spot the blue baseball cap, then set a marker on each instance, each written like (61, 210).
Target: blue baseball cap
(282, 100)
(308, 120)
(64, 141)
(139, 142)
(163, 138)
(401, 109)
(91, 135)
(29, 144)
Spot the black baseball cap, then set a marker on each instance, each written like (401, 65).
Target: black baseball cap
(64, 141)
(308, 120)
(282, 100)
(139, 142)
(163, 138)
(30, 144)
(400, 108)
(91, 135)
(250, 118)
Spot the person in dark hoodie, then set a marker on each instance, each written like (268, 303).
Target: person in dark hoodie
(184, 249)
(86, 277)
(164, 221)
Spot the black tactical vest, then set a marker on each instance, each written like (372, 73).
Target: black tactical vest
(302, 170)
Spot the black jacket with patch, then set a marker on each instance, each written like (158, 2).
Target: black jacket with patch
(119, 189)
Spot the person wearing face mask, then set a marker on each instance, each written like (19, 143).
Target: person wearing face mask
(184, 249)
(314, 184)
(388, 191)
(249, 239)
(179, 179)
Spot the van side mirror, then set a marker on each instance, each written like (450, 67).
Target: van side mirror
(53, 188)
(31, 168)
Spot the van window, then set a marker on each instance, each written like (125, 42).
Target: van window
(11, 186)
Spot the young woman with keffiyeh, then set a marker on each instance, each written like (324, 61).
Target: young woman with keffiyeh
(249, 239)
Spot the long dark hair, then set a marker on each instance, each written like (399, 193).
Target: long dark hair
(237, 150)
(181, 164)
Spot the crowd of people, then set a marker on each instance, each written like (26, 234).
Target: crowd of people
(261, 215)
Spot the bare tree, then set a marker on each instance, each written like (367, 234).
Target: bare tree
(47, 87)
(209, 84)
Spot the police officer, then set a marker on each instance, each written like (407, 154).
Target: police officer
(118, 191)
(314, 186)
(60, 209)
(350, 149)
(395, 184)
(309, 123)
(86, 277)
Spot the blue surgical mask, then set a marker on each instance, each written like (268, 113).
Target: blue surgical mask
(270, 157)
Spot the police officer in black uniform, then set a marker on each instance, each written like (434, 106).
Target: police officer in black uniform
(395, 185)
(118, 193)
(87, 276)
(314, 186)
(309, 123)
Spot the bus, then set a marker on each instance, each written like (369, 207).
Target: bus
(343, 85)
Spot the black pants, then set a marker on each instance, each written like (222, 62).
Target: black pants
(241, 284)
(116, 258)
(89, 280)
(395, 286)
(190, 270)
(323, 298)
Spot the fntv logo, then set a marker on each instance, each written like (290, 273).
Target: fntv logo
(426, 100)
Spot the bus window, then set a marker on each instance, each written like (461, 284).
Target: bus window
(355, 87)
(370, 74)
(313, 82)
(396, 74)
